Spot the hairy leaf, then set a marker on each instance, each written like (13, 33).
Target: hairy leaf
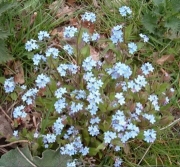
(5, 6)
(149, 22)
(22, 157)
(4, 55)
(173, 24)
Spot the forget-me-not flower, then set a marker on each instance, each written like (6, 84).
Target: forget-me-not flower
(125, 10)
(9, 85)
(132, 47)
(89, 16)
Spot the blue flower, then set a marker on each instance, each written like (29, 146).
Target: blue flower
(31, 45)
(19, 112)
(124, 10)
(132, 47)
(93, 130)
(88, 63)
(117, 34)
(134, 86)
(42, 35)
(58, 126)
(95, 36)
(85, 37)
(84, 151)
(62, 69)
(60, 104)
(118, 162)
(30, 96)
(73, 68)
(141, 80)
(68, 48)
(52, 51)
(92, 107)
(75, 107)
(147, 68)
(108, 136)
(95, 120)
(87, 76)
(71, 164)
(9, 85)
(15, 133)
(36, 59)
(69, 32)
(118, 70)
(42, 80)
(150, 135)
(89, 16)
(120, 98)
(59, 92)
(144, 37)
(49, 138)
(119, 121)
(149, 117)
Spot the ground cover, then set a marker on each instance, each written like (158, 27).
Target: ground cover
(98, 80)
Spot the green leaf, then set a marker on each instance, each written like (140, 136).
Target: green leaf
(128, 31)
(22, 157)
(158, 2)
(101, 147)
(175, 5)
(5, 6)
(14, 96)
(3, 34)
(2, 79)
(149, 22)
(173, 24)
(4, 55)
(85, 51)
(93, 151)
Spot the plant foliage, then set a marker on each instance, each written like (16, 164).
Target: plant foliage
(22, 157)
(162, 18)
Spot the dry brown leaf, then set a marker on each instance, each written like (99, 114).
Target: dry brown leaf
(71, 2)
(8, 70)
(166, 76)
(94, 54)
(66, 10)
(126, 148)
(74, 22)
(5, 128)
(110, 57)
(90, 26)
(19, 72)
(165, 58)
(33, 17)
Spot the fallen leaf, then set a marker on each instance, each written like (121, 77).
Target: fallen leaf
(71, 2)
(88, 25)
(19, 72)
(94, 54)
(66, 10)
(33, 17)
(126, 148)
(5, 128)
(165, 58)
(9, 69)
(166, 76)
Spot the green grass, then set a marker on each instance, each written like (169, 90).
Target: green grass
(165, 151)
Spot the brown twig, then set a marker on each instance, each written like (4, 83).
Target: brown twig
(19, 141)
(26, 157)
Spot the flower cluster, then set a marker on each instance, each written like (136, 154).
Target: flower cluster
(89, 16)
(125, 10)
(92, 101)
(9, 85)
